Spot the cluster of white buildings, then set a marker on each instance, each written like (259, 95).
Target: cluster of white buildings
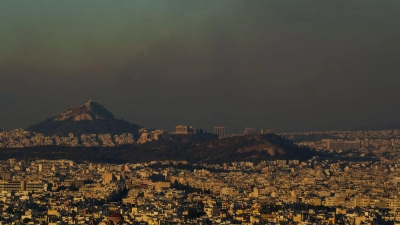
(20, 138)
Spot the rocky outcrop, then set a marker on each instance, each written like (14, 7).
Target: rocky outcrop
(149, 136)
(83, 116)
(87, 118)
(88, 111)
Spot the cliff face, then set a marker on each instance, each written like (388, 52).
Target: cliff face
(150, 136)
(87, 118)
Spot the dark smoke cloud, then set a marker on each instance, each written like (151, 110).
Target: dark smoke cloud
(288, 65)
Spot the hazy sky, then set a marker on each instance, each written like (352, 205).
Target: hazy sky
(287, 65)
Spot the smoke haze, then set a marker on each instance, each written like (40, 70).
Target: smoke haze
(287, 65)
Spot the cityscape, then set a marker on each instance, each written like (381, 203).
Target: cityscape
(356, 184)
(199, 112)
(20, 138)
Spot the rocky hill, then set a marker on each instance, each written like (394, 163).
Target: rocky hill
(242, 148)
(88, 118)
(161, 135)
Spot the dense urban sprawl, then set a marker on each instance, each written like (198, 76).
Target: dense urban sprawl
(349, 186)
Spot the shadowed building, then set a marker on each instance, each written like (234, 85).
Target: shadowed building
(187, 133)
(249, 130)
(220, 131)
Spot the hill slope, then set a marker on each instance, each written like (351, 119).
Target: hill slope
(243, 148)
(88, 118)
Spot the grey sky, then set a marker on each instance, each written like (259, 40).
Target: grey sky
(287, 65)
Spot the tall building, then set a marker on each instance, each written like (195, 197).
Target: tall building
(249, 130)
(220, 131)
(108, 177)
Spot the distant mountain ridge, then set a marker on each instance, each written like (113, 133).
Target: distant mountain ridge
(380, 126)
(87, 118)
